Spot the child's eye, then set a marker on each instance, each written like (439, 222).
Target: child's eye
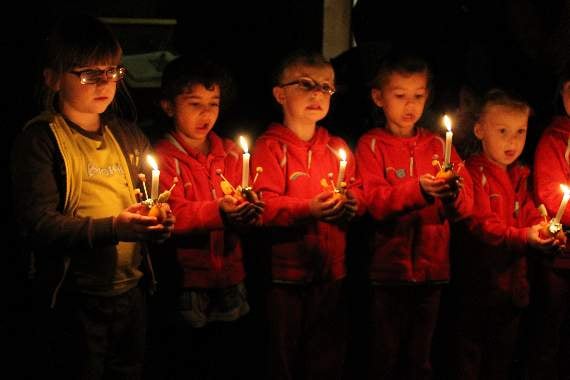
(419, 96)
(521, 131)
(502, 131)
(214, 105)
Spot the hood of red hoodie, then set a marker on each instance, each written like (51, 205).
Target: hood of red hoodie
(516, 171)
(560, 124)
(285, 135)
(421, 137)
(174, 146)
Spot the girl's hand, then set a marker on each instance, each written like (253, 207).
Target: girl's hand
(131, 225)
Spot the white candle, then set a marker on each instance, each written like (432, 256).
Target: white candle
(448, 137)
(563, 204)
(342, 167)
(245, 168)
(155, 177)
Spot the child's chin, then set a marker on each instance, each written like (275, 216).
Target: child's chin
(509, 161)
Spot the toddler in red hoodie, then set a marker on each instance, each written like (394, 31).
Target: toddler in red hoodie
(411, 209)
(550, 343)
(301, 163)
(206, 270)
(489, 265)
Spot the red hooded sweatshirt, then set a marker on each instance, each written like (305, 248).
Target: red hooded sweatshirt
(493, 241)
(303, 250)
(411, 238)
(209, 256)
(552, 168)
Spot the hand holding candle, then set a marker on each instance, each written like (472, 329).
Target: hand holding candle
(448, 137)
(563, 204)
(155, 177)
(342, 167)
(245, 169)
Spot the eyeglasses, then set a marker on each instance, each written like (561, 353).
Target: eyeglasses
(91, 76)
(310, 85)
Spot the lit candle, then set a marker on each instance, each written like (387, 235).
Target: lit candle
(563, 204)
(342, 166)
(245, 170)
(155, 177)
(448, 137)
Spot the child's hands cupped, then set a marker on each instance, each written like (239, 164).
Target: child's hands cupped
(131, 225)
(436, 187)
(245, 213)
(324, 206)
(162, 231)
(537, 240)
(350, 207)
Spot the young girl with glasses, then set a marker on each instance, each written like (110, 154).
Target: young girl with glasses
(74, 173)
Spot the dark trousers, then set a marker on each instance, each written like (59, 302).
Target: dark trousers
(95, 337)
(218, 351)
(402, 320)
(483, 337)
(307, 331)
(549, 342)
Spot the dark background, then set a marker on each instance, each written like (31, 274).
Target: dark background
(519, 45)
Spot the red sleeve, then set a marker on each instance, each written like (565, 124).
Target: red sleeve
(487, 225)
(529, 212)
(551, 170)
(280, 209)
(383, 199)
(191, 215)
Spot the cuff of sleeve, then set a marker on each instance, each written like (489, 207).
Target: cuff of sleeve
(417, 196)
(211, 214)
(302, 210)
(103, 232)
(519, 240)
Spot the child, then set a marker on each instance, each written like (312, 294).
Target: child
(489, 272)
(208, 270)
(307, 221)
(73, 170)
(411, 208)
(550, 343)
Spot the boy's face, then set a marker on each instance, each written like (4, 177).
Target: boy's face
(502, 131)
(566, 97)
(403, 98)
(302, 101)
(194, 111)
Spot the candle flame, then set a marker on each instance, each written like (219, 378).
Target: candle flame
(243, 143)
(447, 122)
(342, 154)
(565, 189)
(151, 162)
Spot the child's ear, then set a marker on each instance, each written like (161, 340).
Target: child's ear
(52, 79)
(167, 107)
(478, 130)
(279, 94)
(376, 95)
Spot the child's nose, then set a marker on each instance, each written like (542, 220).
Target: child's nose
(410, 104)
